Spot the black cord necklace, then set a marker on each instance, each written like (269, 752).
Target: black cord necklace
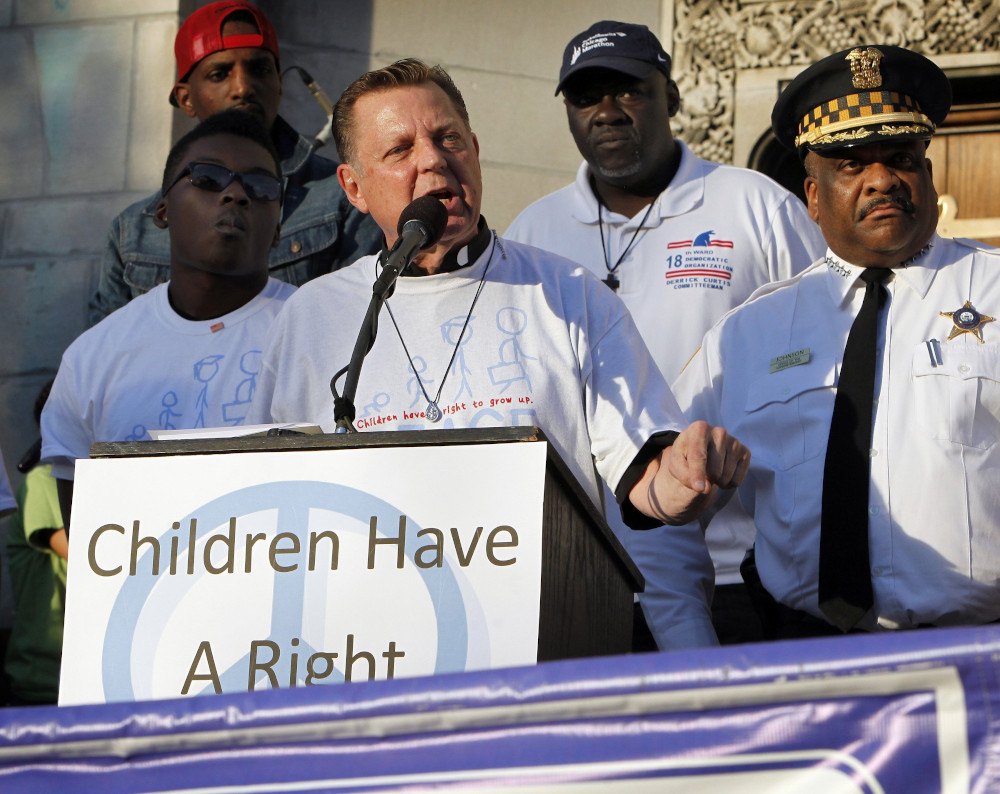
(612, 280)
(433, 411)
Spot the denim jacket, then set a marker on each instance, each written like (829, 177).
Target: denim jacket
(320, 231)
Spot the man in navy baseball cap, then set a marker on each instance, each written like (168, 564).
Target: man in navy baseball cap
(620, 46)
(682, 241)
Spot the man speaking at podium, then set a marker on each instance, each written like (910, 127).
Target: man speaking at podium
(481, 331)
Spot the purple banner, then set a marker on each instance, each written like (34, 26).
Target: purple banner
(909, 712)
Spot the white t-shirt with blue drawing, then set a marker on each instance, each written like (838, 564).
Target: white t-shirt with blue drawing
(547, 344)
(145, 367)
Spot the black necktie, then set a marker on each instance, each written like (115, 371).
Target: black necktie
(845, 585)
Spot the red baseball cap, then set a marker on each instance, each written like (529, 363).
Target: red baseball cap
(201, 35)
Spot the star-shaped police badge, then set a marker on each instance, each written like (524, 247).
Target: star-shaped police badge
(968, 321)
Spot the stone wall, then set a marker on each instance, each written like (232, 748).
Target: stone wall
(731, 56)
(504, 57)
(83, 132)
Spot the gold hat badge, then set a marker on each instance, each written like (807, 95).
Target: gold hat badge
(865, 62)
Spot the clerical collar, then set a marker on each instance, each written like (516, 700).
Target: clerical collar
(470, 252)
(840, 267)
(457, 258)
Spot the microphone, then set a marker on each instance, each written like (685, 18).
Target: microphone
(315, 89)
(325, 135)
(420, 226)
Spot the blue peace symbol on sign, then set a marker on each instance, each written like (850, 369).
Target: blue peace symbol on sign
(293, 501)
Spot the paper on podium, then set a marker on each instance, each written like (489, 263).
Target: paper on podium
(234, 431)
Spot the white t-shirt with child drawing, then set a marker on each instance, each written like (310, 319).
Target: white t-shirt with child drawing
(145, 367)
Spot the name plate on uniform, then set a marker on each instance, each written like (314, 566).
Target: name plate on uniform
(194, 574)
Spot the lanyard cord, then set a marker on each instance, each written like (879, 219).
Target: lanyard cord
(611, 281)
(433, 410)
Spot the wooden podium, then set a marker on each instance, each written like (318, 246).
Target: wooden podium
(588, 579)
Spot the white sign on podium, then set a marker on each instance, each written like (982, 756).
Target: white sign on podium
(194, 574)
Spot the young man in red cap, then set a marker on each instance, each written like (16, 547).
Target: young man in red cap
(227, 57)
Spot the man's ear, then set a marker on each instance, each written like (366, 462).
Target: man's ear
(277, 236)
(348, 177)
(673, 98)
(811, 185)
(160, 215)
(812, 203)
(182, 93)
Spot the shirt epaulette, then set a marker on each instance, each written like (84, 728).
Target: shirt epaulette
(976, 245)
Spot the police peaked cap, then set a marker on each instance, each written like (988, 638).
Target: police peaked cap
(867, 94)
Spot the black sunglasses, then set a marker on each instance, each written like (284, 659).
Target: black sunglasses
(215, 178)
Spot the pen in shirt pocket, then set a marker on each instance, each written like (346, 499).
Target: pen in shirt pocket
(934, 351)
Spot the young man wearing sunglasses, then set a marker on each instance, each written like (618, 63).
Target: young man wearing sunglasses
(186, 353)
(227, 58)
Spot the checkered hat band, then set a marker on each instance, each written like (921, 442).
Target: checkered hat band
(857, 106)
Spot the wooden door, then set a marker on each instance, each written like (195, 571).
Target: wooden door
(967, 177)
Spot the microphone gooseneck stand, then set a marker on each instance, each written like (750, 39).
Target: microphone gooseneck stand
(344, 410)
(420, 226)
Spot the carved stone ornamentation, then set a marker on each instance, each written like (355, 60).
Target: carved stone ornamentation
(705, 119)
(899, 22)
(714, 39)
(835, 26)
(704, 68)
(956, 26)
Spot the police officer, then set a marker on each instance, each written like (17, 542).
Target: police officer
(869, 386)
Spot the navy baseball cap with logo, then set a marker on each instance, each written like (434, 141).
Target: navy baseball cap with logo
(621, 46)
(866, 94)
